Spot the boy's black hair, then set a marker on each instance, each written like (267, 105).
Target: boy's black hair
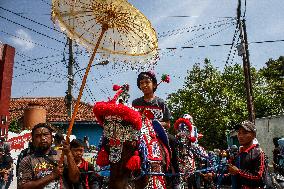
(76, 143)
(275, 141)
(147, 75)
(39, 125)
(58, 137)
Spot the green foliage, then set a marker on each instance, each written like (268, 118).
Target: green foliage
(15, 126)
(272, 80)
(217, 100)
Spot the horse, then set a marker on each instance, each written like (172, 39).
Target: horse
(188, 151)
(137, 158)
(185, 157)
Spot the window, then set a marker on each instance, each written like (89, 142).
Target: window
(3, 119)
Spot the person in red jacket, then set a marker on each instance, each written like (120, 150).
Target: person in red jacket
(88, 178)
(248, 168)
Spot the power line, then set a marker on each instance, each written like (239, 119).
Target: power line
(245, 9)
(31, 20)
(219, 45)
(38, 70)
(46, 2)
(28, 41)
(233, 42)
(34, 59)
(211, 35)
(193, 28)
(32, 29)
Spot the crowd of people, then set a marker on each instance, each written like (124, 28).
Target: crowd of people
(52, 162)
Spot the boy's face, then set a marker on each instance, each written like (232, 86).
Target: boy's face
(245, 137)
(147, 86)
(77, 153)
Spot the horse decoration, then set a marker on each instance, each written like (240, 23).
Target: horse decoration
(185, 156)
(130, 145)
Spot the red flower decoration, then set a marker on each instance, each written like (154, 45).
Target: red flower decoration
(102, 109)
(112, 142)
(166, 78)
(116, 87)
(183, 120)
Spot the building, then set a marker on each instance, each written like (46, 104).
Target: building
(30, 111)
(267, 129)
(7, 54)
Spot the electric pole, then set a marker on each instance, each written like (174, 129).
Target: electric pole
(246, 63)
(69, 96)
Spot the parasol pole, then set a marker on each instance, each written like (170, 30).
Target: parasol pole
(104, 29)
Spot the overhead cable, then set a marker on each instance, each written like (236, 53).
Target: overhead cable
(31, 20)
(32, 30)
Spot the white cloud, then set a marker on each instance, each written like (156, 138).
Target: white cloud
(194, 11)
(24, 41)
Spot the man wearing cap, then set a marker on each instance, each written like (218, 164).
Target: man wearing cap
(248, 168)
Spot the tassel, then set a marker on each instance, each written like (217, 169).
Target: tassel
(102, 159)
(134, 163)
(192, 139)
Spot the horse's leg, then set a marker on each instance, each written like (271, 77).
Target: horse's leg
(141, 183)
(119, 177)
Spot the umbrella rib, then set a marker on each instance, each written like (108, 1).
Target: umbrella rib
(87, 4)
(127, 37)
(142, 39)
(68, 14)
(77, 16)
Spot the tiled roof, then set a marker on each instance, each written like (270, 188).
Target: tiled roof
(55, 107)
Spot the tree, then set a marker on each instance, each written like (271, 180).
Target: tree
(216, 101)
(271, 82)
(15, 126)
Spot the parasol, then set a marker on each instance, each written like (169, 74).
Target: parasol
(116, 28)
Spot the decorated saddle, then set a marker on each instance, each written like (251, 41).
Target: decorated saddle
(123, 124)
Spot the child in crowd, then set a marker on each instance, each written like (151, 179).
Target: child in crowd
(88, 178)
(155, 108)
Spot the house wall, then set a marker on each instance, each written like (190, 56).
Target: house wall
(93, 131)
(7, 54)
(267, 129)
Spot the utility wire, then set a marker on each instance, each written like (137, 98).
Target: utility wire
(245, 9)
(32, 30)
(34, 59)
(46, 2)
(29, 41)
(233, 42)
(193, 28)
(38, 70)
(209, 36)
(31, 20)
(219, 45)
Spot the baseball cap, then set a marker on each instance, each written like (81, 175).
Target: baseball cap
(247, 125)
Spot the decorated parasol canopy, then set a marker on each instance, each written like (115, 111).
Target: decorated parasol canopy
(114, 27)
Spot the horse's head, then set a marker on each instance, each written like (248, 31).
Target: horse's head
(121, 125)
(183, 127)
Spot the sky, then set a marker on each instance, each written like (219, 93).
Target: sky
(40, 69)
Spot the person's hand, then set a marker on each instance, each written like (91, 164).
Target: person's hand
(233, 169)
(6, 176)
(66, 147)
(58, 171)
(208, 176)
